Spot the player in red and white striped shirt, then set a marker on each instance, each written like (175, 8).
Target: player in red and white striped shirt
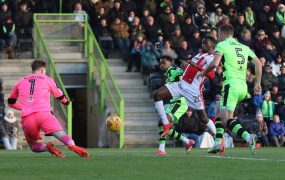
(189, 87)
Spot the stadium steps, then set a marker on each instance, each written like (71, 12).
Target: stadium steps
(140, 115)
(10, 72)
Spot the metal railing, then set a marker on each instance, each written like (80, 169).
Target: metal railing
(110, 94)
(79, 31)
(41, 51)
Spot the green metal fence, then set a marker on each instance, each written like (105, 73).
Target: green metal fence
(110, 94)
(41, 51)
(67, 28)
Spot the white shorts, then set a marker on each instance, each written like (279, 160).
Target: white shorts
(194, 100)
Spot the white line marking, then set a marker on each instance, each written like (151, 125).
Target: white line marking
(243, 158)
(132, 153)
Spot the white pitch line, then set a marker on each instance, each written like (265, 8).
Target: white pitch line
(243, 158)
(132, 153)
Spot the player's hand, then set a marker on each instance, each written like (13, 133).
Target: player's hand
(257, 89)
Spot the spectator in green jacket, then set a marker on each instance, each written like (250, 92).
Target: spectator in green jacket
(280, 15)
(268, 108)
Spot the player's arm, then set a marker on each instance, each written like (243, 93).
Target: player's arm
(184, 65)
(12, 100)
(209, 71)
(57, 93)
(194, 64)
(258, 71)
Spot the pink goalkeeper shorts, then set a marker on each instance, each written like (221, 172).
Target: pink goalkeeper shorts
(33, 123)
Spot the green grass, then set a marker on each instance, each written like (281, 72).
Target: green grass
(268, 163)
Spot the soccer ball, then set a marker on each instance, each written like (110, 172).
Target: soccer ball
(113, 123)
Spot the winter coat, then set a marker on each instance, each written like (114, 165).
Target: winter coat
(281, 81)
(24, 19)
(149, 56)
(267, 80)
(276, 129)
(120, 30)
(268, 109)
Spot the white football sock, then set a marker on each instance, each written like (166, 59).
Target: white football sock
(186, 140)
(162, 147)
(160, 109)
(248, 138)
(211, 126)
(218, 143)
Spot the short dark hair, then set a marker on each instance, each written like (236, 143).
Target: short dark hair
(211, 38)
(168, 58)
(36, 64)
(227, 29)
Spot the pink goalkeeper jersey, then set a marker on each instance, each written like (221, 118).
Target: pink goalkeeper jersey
(33, 93)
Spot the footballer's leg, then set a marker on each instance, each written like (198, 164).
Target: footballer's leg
(178, 136)
(205, 120)
(159, 95)
(174, 134)
(52, 127)
(162, 140)
(31, 129)
(218, 146)
(237, 92)
(68, 141)
(228, 104)
(177, 109)
(234, 126)
(39, 147)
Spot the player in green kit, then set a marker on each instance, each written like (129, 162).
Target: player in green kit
(177, 107)
(233, 57)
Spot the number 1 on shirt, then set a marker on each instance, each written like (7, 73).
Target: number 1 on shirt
(32, 87)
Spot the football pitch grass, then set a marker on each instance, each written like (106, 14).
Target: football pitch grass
(141, 163)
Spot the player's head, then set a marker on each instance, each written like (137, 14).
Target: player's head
(39, 66)
(225, 31)
(208, 44)
(165, 62)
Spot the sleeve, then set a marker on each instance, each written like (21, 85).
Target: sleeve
(209, 59)
(251, 55)
(219, 49)
(56, 92)
(178, 72)
(278, 20)
(272, 130)
(211, 74)
(12, 100)
(282, 130)
(265, 129)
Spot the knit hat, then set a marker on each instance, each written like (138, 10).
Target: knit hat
(267, 93)
(200, 6)
(281, 6)
(141, 35)
(159, 32)
(9, 119)
(177, 27)
(259, 113)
